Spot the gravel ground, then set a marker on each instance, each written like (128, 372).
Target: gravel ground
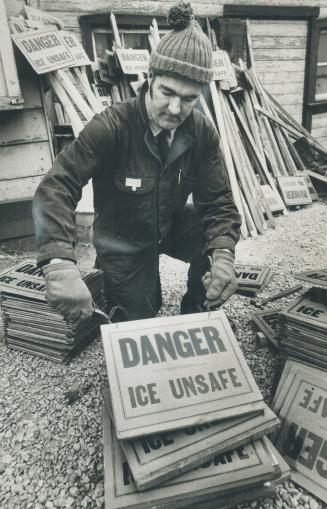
(51, 449)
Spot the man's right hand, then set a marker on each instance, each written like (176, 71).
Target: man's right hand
(66, 291)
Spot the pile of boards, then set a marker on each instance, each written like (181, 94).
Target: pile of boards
(184, 421)
(31, 326)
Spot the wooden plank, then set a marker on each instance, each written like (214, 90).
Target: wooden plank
(25, 160)
(280, 54)
(18, 189)
(319, 120)
(319, 132)
(150, 8)
(270, 78)
(279, 28)
(285, 88)
(270, 11)
(279, 42)
(280, 66)
(27, 126)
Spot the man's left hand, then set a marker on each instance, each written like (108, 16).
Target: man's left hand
(220, 283)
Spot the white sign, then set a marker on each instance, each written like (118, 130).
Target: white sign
(75, 47)
(133, 61)
(294, 190)
(44, 50)
(48, 50)
(220, 64)
(42, 18)
(171, 372)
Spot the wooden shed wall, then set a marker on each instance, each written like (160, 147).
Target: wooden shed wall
(25, 150)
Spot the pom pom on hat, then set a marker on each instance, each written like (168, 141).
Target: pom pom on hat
(186, 50)
(180, 16)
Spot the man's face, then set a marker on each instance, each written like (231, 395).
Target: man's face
(171, 100)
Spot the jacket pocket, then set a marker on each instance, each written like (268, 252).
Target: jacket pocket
(133, 193)
(185, 186)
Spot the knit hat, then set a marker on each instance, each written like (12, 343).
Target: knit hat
(186, 50)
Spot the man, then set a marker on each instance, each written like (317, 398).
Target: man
(145, 156)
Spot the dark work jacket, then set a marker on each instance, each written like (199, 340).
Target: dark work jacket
(135, 197)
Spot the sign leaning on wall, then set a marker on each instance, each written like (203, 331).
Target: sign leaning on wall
(171, 372)
(52, 49)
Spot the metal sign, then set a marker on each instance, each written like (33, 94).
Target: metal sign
(294, 190)
(156, 458)
(133, 61)
(42, 18)
(171, 372)
(221, 476)
(45, 50)
(316, 277)
(302, 439)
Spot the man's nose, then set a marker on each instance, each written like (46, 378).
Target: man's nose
(175, 106)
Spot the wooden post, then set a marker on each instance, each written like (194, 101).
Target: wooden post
(227, 154)
(72, 91)
(76, 122)
(93, 101)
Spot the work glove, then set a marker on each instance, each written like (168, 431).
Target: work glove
(220, 283)
(66, 291)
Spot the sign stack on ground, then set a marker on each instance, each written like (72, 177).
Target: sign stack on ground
(229, 478)
(304, 328)
(180, 395)
(300, 402)
(267, 323)
(315, 277)
(30, 325)
(251, 279)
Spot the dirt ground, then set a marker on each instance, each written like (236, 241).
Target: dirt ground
(51, 450)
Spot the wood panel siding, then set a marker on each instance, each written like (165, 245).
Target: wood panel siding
(319, 128)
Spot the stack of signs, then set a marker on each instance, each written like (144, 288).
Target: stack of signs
(30, 325)
(244, 473)
(304, 327)
(267, 322)
(315, 277)
(251, 279)
(300, 401)
(180, 393)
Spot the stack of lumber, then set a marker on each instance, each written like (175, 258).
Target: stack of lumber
(184, 420)
(300, 402)
(252, 279)
(31, 326)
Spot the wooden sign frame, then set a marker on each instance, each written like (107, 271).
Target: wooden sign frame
(146, 401)
(133, 61)
(315, 311)
(157, 458)
(251, 465)
(264, 321)
(302, 439)
(294, 190)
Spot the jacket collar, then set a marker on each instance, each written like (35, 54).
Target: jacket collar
(184, 136)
